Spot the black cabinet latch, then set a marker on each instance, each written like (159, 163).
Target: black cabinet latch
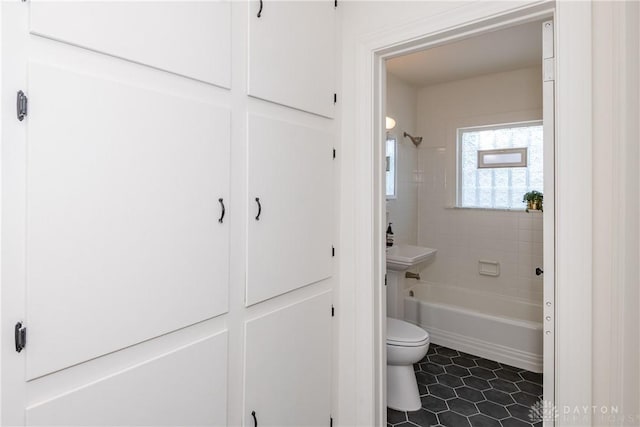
(21, 105)
(20, 335)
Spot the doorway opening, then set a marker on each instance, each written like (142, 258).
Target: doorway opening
(468, 141)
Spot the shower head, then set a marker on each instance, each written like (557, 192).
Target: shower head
(415, 139)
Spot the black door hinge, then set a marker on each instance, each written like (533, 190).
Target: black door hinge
(21, 105)
(335, 98)
(385, 280)
(333, 251)
(334, 153)
(333, 311)
(20, 335)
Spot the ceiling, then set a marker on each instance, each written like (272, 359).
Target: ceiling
(503, 50)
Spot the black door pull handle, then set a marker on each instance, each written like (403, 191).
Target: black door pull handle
(260, 11)
(20, 336)
(255, 419)
(223, 211)
(259, 208)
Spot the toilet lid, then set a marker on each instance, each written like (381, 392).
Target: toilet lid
(400, 332)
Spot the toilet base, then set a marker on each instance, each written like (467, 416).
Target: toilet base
(402, 388)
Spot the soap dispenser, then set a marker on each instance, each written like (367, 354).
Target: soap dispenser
(389, 236)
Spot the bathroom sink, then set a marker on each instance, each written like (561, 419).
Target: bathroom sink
(404, 257)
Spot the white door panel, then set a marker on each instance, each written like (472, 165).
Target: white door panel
(549, 239)
(186, 387)
(290, 171)
(292, 54)
(288, 365)
(191, 38)
(123, 238)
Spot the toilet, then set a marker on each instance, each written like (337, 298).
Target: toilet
(406, 345)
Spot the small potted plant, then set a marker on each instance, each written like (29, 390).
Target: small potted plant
(534, 200)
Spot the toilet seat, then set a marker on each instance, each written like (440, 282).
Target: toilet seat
(405, 334)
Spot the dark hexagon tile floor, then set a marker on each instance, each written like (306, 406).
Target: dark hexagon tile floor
(462, 390)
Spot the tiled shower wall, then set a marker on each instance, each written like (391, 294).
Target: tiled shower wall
(403, 210)
(465, 236)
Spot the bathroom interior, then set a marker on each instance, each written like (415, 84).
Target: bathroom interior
(465, 267)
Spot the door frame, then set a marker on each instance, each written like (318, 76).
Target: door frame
(573, 180)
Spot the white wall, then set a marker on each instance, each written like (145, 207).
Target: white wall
(465, 236)
(616, 218)
(403, 210)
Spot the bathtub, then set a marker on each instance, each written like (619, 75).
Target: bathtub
(487, 325)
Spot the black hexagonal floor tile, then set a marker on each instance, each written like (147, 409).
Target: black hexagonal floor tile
(503, 385)
(525, 399)
(520, 412)
(480, 420)
(514, 422)
(423, 390)
(425, 378)
(447, 352)
(432, 368)
(530, 388)
(477, 383)
(458, 371)
(499, 397)
(451, 419)
(462, 407)
(433, 404)
(483, 373)
(463, 361)
(463, 390)
(423, 417)
(489, 364)
(395, 417)
(508, 375)
(441, 390)
(440, 359)
(533, 377)
(470, 394)
(511, 368)
(469, 356)
(449, 380)
(493, 410)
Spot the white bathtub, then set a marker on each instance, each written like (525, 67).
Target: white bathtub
(478, 323)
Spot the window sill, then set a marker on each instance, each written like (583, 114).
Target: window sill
(469, 208)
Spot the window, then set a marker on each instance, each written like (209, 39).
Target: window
(391, 167)
(505, 158)
(498, 164)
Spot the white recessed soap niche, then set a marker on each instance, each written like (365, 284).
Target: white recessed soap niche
(488, 268)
